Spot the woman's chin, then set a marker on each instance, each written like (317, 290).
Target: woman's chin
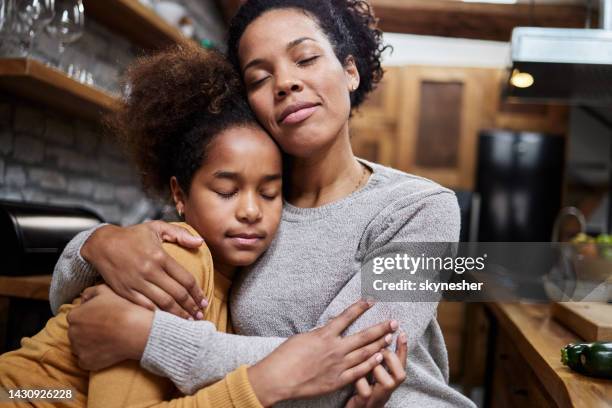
(302, 146)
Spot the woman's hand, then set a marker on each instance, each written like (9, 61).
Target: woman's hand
(386, 380)
(133, 263)
(97, 329)
(321, 361)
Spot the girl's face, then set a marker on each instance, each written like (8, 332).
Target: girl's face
(295, 84)
(235, 198)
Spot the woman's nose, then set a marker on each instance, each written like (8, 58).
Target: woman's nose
(287, 88)
(287, 84)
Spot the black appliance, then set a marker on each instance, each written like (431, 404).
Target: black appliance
(34, 235)
(519, 179)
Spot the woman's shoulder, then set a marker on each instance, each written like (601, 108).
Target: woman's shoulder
(396, 186)
(411, 208)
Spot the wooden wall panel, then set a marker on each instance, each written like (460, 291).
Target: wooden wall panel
(374, 128)
(439, 124)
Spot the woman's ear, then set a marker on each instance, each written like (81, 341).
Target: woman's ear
(178, 196)
(352, 73)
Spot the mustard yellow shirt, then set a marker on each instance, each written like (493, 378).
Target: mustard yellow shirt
(45, 360)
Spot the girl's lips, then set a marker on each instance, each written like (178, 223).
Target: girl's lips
(245, 243)
(300, 115)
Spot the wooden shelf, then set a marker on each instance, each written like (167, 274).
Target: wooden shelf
(26, 287)
(34, 80)
(134, 21)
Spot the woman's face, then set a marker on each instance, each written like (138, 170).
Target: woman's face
(235, 197)
(295, 84)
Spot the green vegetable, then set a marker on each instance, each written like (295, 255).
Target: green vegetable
(592, 359)
(605, 245)
(604, 239)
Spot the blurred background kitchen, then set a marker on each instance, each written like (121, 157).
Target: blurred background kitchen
(518, 123)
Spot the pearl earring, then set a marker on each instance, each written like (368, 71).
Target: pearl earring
(180, 212)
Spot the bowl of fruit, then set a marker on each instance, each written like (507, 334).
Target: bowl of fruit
(590, 258)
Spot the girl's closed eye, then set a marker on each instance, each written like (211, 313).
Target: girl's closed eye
(226, 195)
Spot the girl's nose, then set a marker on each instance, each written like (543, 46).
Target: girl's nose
(249, 210)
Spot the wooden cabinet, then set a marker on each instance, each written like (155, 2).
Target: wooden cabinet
(442, 112)
(525, 368)
(451, 318)
(425, 120)
(514, 382)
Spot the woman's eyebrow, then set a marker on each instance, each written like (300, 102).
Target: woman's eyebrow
(298, 41)
(271, 177)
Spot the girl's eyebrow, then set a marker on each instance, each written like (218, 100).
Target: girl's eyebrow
(226, 175)
(222, 174)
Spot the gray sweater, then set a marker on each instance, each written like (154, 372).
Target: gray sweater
(310, 273)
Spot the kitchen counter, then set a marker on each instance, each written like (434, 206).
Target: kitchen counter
(26, 287)
(527, 366)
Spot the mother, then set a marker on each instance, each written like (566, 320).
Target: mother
(306, 65)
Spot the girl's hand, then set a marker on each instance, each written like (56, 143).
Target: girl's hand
(133, 263)
(386, 380)
(97, 329)
(320, 361)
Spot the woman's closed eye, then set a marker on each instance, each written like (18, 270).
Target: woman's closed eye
(257, 82)
(307, 61)
(270, 194)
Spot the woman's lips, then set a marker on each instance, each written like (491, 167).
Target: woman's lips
(300, 115)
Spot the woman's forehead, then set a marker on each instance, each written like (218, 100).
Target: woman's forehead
(276, 30)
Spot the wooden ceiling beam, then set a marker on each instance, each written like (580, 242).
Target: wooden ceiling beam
(448, 18)
(454, 18)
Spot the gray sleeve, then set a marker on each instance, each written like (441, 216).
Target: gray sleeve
(433, 219)
(193, 354)
(72, 273)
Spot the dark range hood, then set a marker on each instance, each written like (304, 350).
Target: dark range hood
(569, 66)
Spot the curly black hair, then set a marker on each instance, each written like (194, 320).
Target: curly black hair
(350, 26)
(178, 101)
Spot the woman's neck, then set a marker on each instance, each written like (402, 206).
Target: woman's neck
(326, 176)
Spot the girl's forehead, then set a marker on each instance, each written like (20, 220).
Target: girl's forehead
(240, 140)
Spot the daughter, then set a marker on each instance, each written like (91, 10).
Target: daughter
(192, 135)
